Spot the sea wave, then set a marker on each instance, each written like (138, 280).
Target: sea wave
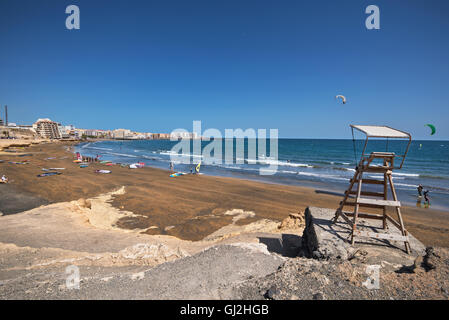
(406, 185)
(172, 153)
(320, 175)
(406, 174)
(430, 176)
(122, 154)
(98, 148)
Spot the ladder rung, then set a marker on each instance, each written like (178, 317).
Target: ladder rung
(382, 155)
(368, 193)
(387, 236)
(347, 203)
(368, 181)
(388, 203)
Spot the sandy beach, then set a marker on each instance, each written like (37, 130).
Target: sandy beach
(133, 229)
(188, 207)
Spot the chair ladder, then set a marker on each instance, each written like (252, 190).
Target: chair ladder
(365, 165)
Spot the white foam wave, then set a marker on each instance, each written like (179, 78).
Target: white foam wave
(122, 154)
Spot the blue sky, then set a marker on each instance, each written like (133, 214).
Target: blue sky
(158, 65)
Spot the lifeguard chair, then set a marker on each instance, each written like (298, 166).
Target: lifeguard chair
(376, 162)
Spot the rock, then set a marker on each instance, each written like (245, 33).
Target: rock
(325, 240)
(431, 259)
(294, 221)
(318, 296)
(417, 263)
(85, 203)
(270, 293)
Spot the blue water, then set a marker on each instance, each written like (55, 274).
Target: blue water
(323, 164)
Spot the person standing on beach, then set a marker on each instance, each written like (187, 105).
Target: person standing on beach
(172, 167)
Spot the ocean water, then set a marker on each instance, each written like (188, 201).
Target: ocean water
(324, 164)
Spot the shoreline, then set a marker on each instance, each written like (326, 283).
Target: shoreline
(326, 174)
(186, 207)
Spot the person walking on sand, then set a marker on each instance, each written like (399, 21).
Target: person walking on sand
(420, 187)
(172, 167)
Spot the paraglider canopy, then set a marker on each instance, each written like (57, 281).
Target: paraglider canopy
(432, 127)
(343, 98)
(383, 132)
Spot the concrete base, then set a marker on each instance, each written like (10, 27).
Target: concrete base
(323, 239)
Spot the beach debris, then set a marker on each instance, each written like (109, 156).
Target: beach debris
(102, 171)
(432, 127)
(50, 158)
(57, 168)
(343, 98)
(46, 174)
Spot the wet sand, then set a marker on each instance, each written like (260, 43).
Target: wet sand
(188, 207)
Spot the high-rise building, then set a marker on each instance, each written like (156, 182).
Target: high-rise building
(47, 129)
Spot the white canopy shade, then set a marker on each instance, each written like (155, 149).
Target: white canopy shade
(381, 132)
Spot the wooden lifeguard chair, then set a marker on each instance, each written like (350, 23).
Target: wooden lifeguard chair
(377, 162)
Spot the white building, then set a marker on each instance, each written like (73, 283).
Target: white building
(122, 134)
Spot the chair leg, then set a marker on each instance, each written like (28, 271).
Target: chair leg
(356, 208)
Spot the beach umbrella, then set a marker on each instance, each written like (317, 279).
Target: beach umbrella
(343, 98)
(432, 127)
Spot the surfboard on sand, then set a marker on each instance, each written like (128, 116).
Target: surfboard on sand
(102, 171)
(45, 174)
(177, 174)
